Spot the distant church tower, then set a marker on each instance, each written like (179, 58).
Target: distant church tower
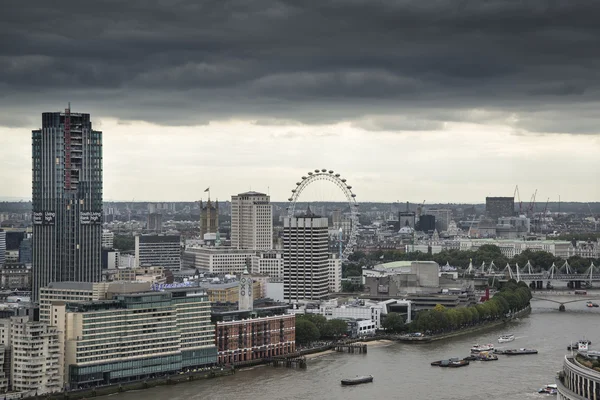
(209, 217)
(245, 302)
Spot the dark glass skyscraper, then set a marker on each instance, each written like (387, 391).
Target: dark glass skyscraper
(67, 200)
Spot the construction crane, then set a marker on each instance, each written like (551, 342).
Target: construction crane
(593, 216)
(519, 197)
(531, 208)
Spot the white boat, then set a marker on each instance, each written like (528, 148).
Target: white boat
(506, 338)
(482, 347)
(549, 389)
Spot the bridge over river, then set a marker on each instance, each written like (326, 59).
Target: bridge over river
(564, 276)
(561, 298)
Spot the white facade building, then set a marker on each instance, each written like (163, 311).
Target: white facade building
(36, 357)
(2, 247)
(268, 263)
(335, 273)
(221, 260)
(108, 239)
(511, 248)
(306, 257)
(251, 221)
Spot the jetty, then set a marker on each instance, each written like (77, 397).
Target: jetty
(353, 348)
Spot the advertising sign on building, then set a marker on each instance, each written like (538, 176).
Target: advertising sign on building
(91, 218)
(38, 217)
(44, 217)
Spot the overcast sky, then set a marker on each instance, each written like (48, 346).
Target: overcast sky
(442, 100)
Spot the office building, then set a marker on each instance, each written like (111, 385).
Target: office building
(110, 259)
(36, 357)
(2, 247)
(158, 251)
(83, 292)
(15, 276)
(269, 263)
(108, 239)
(228, 292)
(305, 257)
(154, 223)
(135, 335)
(25, 251)
(66, 200)
(251, 221)
(209, 218)
(442, 218)
(578, 379)
(218, 260)
(263, 332)
(407, 219)
(497, 207)
(335, 273)
(14, 238)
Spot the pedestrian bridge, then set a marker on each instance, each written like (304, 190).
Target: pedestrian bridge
(562, 298)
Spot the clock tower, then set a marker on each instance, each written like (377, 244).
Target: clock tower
(245, 301)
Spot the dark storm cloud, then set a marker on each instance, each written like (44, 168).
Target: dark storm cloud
(187, 62)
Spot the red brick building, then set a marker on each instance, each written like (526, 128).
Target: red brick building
(255, 338)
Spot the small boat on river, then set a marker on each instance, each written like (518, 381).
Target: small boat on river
(517, 352)
(451, 363)
(549, 389)
(357, 380)
(506, 338)
(576, 345)
(483, 356)
(482, 347)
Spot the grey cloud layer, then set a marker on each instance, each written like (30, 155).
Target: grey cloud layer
(187, 62)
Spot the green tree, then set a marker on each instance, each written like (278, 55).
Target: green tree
(393, 323)
(317, 319)
(334, 328)
(124, 242)
(306, 331)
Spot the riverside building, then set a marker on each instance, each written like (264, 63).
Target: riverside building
(36, 357)
(158, 251)
(135, 336)
(66, 200)
(577, 380)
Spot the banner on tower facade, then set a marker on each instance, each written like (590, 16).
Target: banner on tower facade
(44, 217)
(90, 218)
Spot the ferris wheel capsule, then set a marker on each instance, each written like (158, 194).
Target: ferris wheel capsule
(324, 170)
(310, 173)
(331, 171)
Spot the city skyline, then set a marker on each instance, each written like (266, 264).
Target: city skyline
(406, 100)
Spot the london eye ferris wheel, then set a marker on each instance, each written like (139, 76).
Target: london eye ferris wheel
(317, 175)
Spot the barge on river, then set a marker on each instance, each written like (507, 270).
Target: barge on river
(357, 380)
(516, 352)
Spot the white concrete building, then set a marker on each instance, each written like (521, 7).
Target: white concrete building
(36, 357)
(268, 263)
(511, 248)
(335, 273)
(221, 260)
(306, 257)
(251, 221)
(81, 291)
(108, 239)
(2, 246)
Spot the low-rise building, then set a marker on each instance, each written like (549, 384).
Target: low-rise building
(245, 335)
(15, 276)
(82, 291)
(134, 336)
(268, 263)
(228, 292)
(219, 260)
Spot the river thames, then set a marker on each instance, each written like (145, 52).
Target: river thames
(402, 371)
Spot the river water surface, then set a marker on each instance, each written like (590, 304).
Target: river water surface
(402, 371)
